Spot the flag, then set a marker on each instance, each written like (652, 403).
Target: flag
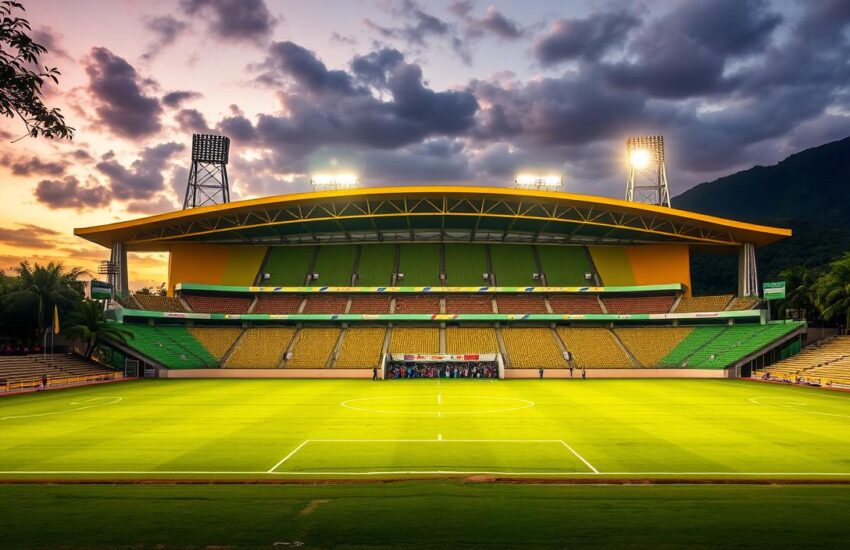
(55, 320)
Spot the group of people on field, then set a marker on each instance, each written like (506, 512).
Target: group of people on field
(436, 370)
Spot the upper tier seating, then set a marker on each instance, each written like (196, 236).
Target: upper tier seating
(465, 264)
(565, 265)
(532, 348)
(361, 348)
(594, 348)
(219, 304)
(521, 303)
(417, 303)
(469, 303)
(171, 346)
(279, 304)
(334, 265)
(420, 264)
(375, 266)
(471, 340)
(370, 303)
(288, 265)
(158, 303)
(326, 303)
(414, 340)
(514, 265)
(260, 348)
(729, 345)
(313, 348)
(649, 345)
(564, 303)
(217, 340)
(741, 304)
(823, 352)
(638, 304)
(697, 304)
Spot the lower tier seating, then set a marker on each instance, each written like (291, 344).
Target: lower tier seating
(469, 303)
(837, 372)
(471, 340)
(361, 348)
(564, 303)
(532, 348)
(638, 304)
(158, 303)
(417, 303)
(313, 348)
(171, 346)
(718, 347)
(260, 348)
(521, 303)
(820, 354)
(649, 345)
(24, 371)
(696, 304)
(278, 304)
(414, 340)
(370, 304)
(217, 340)
(326, 303)
(594, 348)
(219, 304)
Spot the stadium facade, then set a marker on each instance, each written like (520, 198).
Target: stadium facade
(336, 283)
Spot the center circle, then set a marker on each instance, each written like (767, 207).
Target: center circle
(437, 405)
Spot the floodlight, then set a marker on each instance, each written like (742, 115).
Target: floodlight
(537, 181)
(334, 181)
(647, 173)
(639, 158)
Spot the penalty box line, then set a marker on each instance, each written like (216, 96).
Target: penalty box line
(439, 439)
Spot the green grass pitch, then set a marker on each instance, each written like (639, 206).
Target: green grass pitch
(286, 429)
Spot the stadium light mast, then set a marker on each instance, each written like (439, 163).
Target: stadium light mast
(208, 183)
(329, 182)
(550, 182)
(647, 180)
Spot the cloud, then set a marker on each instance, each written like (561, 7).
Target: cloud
(299, 63)
(588, 38)
(33, 166)
(166, 29)
(192, 120)
(373, 67)
(122, 106)
(144, 178)
(68, 192)
(28, 236)
(417, 24)
(234, 20)
(494, 22)
(178, 97)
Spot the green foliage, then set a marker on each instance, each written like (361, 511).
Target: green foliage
(153, 290)
(88, 326)
(832, 291)
(39, 288)
(22, 79)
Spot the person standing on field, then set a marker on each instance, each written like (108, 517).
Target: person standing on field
(540, 372)
(583, 374)
(374, 373)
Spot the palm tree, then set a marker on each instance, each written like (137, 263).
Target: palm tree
(88, 326)
(832, 291)
(42, 287)
(799, 283)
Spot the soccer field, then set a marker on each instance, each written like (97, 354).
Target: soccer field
(281, 429)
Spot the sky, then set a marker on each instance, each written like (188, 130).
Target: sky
(406, 92)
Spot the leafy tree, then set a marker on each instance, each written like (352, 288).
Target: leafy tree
(153, 291)
(87, 325)
(799, 288)
(22, 78)
(832, 291)
(42, 287)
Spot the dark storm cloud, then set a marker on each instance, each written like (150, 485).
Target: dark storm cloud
(237, 128)
(178, 97)
(29, 236)
(374, 66)
(166, 29)
(191, 120)
(144, 178)
(308, 71)
(122, 106)
(493, 23)
(588, 38)
(68, 192)
(417, 27)
(34, 166)
(237, 20)
(434, 160)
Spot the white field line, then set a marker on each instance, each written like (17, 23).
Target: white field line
(287, 457)
(116, 400)
(154, 473)
(792, 405)
(586, 463)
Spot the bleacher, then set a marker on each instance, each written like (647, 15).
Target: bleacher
(219, 303)
(417, 303)
(465, 264)
(375, 266)
(649, 345)
(361, 348)
(278, 304)
(835, 373)
(565, 303)
(21, 372)
(157, 303)
(334, 265)
(741, 304)
(370, 303)
(414, 340)
(514, 265)
(313, 348)
(172, 346)
(532, 348)
(565, 265)
(813, 362)
(288, 265)
(594, 348)
(260, 348)
(420, 264)
(326, 303)
(638, 304)
(217, 340)
(717, 347)
(697, 304)
(469, 303)
(471, 340)
(521, 303)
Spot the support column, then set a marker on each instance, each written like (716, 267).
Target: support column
(119, 278)
(747, 271)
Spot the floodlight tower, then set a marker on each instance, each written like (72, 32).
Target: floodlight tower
(647, 181)
(208, 182)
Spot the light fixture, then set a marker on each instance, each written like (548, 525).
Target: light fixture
(539, 181)
(334, 181)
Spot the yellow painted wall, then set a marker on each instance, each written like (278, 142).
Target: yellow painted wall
(661, 264)
(213, 264)
(613, 265)
(243, 264)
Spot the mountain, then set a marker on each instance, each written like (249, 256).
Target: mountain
(808, 192)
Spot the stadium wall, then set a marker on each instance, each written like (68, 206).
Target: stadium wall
(265, 373)
(509, 373)
(214, 264)
(622, 373)
(643, 264)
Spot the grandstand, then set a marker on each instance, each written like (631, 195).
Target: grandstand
(260, 348)
(593, 348)
(514, 265)
(521, 303)
(326, 304)
(469, 303)
(417, 303)
(471, 340)
(414, 340)
(693, 304)
(649, 345)
(217, 340)
(158, 303)
(370, 304)
(532, 348)
(566, 265)
(419, 265)
(564, 303)
(361, 348)
(466, 265)
(278, 303)
(334, 265)
(376, 264)
(638, 304)
(826, 362)
(313, 348)
(219, 304)
(22, 372)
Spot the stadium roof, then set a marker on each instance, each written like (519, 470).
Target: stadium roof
(431, 213)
